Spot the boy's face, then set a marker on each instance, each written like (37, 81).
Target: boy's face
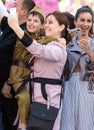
(34, 24)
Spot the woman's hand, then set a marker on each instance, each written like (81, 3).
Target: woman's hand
(13, 21)
(84, 44)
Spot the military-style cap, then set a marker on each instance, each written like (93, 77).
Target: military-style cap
(39, 10)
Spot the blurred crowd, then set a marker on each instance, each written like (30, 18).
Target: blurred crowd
(46, 66)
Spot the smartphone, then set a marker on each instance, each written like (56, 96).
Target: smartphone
(13, 11)
(75, 31)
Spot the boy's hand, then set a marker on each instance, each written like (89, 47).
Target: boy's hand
(6, 91)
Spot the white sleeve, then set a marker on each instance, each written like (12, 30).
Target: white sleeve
(3, 9)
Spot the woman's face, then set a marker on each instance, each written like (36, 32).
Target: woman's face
(52, 27)
(84, 21)
(34, 24)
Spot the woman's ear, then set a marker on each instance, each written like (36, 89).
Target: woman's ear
(62, 27)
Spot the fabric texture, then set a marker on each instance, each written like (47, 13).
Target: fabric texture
(52, 57)
(78, 101)
(41, 117)
(18, 74)
(78, 105)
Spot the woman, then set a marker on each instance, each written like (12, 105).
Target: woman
(49, 59)
(78, 103)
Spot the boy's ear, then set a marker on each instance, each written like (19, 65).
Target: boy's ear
(75, 22)
(42, 26)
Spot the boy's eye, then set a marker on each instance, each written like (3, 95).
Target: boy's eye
(35, 20)
(89, 21)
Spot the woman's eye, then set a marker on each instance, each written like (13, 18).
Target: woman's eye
(50, 22)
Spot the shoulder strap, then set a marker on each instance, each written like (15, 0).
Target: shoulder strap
(43, 82)
(26, 80)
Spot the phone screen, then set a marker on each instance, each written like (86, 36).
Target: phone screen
(75, 31)
(13, 11)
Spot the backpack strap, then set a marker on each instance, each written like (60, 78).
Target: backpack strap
(27, 79)
(22, 85)
(43, 82)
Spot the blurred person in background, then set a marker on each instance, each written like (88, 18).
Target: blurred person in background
(70, 18)
(3, 11)
(7, 43)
